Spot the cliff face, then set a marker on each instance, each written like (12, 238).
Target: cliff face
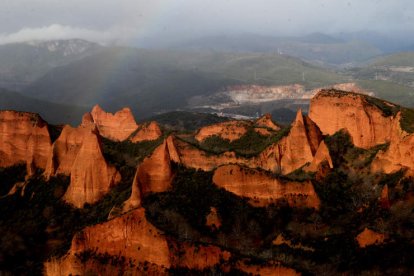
(262, 189)
(130, 236)
(77, 152)
(399, 154)
(232, 130)
(155, 174)
(294, 150)
(266, 122)
(147, 132)
(24, 138)
(333, 110)
(117, 127)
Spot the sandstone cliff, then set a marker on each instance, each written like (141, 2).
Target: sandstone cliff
(155, 174)
(360, 115)
(117, 127)
(130, 236)
(399, 154)
(294, 150)
(147, 132)
(77, 152)
(232, 130)
(24, 138)
(263, 189)
(266, 122)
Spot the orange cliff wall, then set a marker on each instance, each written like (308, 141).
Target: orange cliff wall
(116, 127)
(130, 236)
(24, 138)
(232, 130)
(262, 189)
(293, 151)
(333, 110)
(77, 152)
(147, 132)
(399, 154)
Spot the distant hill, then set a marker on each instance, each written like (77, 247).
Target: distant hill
(22, 63)
(153, 81)
(51, 112)
(318, 48)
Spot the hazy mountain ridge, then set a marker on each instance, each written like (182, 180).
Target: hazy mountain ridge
(23, 63)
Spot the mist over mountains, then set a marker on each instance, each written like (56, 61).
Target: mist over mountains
(151, 81)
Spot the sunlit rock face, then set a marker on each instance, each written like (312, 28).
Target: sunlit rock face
(293, 151)
(399, 154)
(333, 110)
(369, 237)
(116, 127)
(78, 153)
(231, 130)
(147, 132)
(266, 122)
(262, 189)
(129, 236)
(24, 138)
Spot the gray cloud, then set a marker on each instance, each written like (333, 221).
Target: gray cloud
(133, 20)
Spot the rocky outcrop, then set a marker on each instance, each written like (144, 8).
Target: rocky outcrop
(294, 150)
(155, 174)
(213, 220)
(363, 117)
(322, 155)
(369, 237)
(262, 189)
(24, 138)
(77, 152)
(266, 122)
(147, 132)
(116, 127)
(231, 130)
(399, 154)
(194, 256)
(130, 236)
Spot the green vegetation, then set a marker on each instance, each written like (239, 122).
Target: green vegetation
(186, 121)
(250, 144)
(127, 153)
(37, 225)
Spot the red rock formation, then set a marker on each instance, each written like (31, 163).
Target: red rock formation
(130, 236)
(280, 240)
(147, 132)
(213, 220)
(24, 138)
(195, 158)
(333, 110)
(194, 256)
(399, 154)
(369, 237)
(322, 155)
(384, 198)
(294, 150)
(154, 174)
(266, 122)
(117, 127)
(270, 269)
(77, 152)
(231, 130)
(263, 189)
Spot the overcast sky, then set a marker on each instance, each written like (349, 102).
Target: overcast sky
(131, 21)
